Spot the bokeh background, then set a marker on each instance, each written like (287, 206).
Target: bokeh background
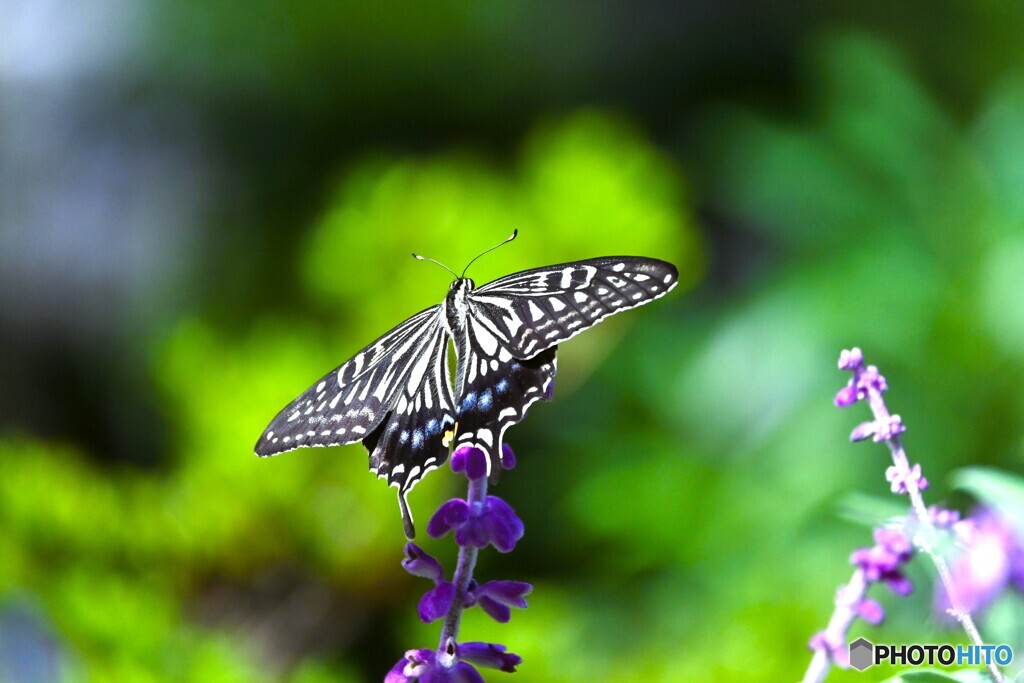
(206, 205)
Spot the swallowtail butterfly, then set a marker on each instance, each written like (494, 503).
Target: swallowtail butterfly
(396, 395)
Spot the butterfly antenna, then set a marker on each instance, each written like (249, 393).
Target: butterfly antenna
(427, 258)
(487, 251)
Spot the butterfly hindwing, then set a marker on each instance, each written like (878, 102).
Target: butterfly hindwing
(536, 309)
(348, 403)
(496, 389)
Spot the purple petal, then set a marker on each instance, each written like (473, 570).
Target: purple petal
(397, 673)
(497, 611)
(477, 464)
(943, 517)
(502, 523)
(436, 602)
(491, 655)
(459, 673)
(452, 514)
(898, 584)
(886, 429)
(863, 431)
(851, 359)
(470, 459)
(511, 593)
(869, 379)
(846, 397)
(870, 611)
(895, 541)
(473, 533)
(419, 563)
(411, 667)
(463, 673)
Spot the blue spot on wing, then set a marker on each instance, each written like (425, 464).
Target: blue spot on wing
(469, 401)
(433, 427)
(502, 386)
(485, 399)
(417, 438)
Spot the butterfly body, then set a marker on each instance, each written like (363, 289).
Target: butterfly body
(396, 395)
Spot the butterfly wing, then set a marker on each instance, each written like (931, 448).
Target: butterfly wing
(516, 322)
(496, 389)
(409, 441)
(536, 309)
(354, 398)
(394, 396)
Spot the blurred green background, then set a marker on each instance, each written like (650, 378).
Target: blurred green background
(205, 206)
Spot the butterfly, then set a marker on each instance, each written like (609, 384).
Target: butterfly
(397, 397)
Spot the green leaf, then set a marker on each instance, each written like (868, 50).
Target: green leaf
(994, 488)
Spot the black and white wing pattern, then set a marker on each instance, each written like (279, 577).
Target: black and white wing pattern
(496, 388)
(515, 324)
(394, 396)
(534, 310)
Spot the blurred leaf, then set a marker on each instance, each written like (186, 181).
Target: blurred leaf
(994, 488)
(1001, 307)
(871, 511)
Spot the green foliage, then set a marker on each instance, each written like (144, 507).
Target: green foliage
(588, 174)
(682, 493)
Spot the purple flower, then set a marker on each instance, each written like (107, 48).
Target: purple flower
(470, 460)
(477, 524)
(421, 666)
(870, 611)
(478, 521)
(865, 379)
(869, 378)
(851, 360)
(419, 563)
(497, 597)
(491, 655)
(834, 647)
(436, 602)
(846, 397)
(900, 478)
(881, 562)
(991, 558)
(880, 430)
(455, 665)
(943, 517)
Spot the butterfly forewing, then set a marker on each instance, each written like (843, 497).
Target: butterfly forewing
(348, 404)
(536, 309)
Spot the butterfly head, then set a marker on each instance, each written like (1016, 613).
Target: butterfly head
(463, 283)
(455, 302)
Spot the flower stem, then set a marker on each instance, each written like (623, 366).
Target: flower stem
(843, 616)
(926, 538)
(463, 573)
